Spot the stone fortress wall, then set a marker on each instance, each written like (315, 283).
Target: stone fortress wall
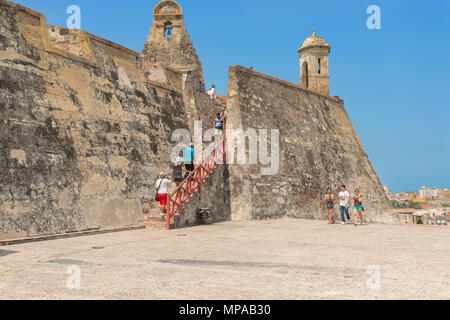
(85, 127)
(83, 133)
(319, 148)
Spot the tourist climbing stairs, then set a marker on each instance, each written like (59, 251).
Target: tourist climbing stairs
(194, 182)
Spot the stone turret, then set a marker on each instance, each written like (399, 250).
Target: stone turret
(169, 43)
(314, 64)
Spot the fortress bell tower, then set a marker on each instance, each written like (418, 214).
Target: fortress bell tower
(169, 43)
(314, 64)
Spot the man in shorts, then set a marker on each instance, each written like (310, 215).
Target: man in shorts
(162, 189)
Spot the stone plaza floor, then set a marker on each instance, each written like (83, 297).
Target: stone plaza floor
(281, 259)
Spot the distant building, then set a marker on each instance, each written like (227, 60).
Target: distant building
(431, 216)
(420, 200)
(405, 196)
(445, 194)
(406, 216)
(429, 193)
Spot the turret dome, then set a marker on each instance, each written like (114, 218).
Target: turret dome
(314, 42)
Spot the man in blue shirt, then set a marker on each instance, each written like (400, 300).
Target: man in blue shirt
(189, 154)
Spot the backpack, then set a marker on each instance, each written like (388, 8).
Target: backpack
(157, 190)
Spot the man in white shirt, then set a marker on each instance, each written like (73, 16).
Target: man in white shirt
(212, 93)
(162, 189)
(344, 201)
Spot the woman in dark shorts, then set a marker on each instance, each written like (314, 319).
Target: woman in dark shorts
(329, 201)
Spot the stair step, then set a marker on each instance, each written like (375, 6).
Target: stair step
(153, 220)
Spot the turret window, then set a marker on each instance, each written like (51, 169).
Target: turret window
(319, 67)
(168, 30)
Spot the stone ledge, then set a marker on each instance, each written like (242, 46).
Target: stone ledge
(173, 69)
(290, 84)
(19, 7)
(111, 44)
(85, 37)
(160, 85)
(68, 235)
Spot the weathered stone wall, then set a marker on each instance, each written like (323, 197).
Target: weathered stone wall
(175, 78)
(82, 139)
(206, 109)
(155, 72)
(68, 40)
(199, 105)
(319, 148)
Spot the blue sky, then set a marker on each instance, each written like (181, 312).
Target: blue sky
(395, 81)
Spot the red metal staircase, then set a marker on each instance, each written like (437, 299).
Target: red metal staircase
(194, 182)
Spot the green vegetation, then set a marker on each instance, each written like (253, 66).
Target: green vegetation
(415, 205)
(406, 205)
(445, 205)
(398, 205)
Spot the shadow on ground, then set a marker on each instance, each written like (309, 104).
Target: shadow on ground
(4, 253)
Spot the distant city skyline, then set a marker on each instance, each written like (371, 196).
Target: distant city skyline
(417, 191)
(399, 190)
(394, 82)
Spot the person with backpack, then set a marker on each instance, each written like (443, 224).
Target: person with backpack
(177, 173)
(162, 192)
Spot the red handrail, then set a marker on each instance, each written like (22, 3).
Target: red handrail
(194, 181)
